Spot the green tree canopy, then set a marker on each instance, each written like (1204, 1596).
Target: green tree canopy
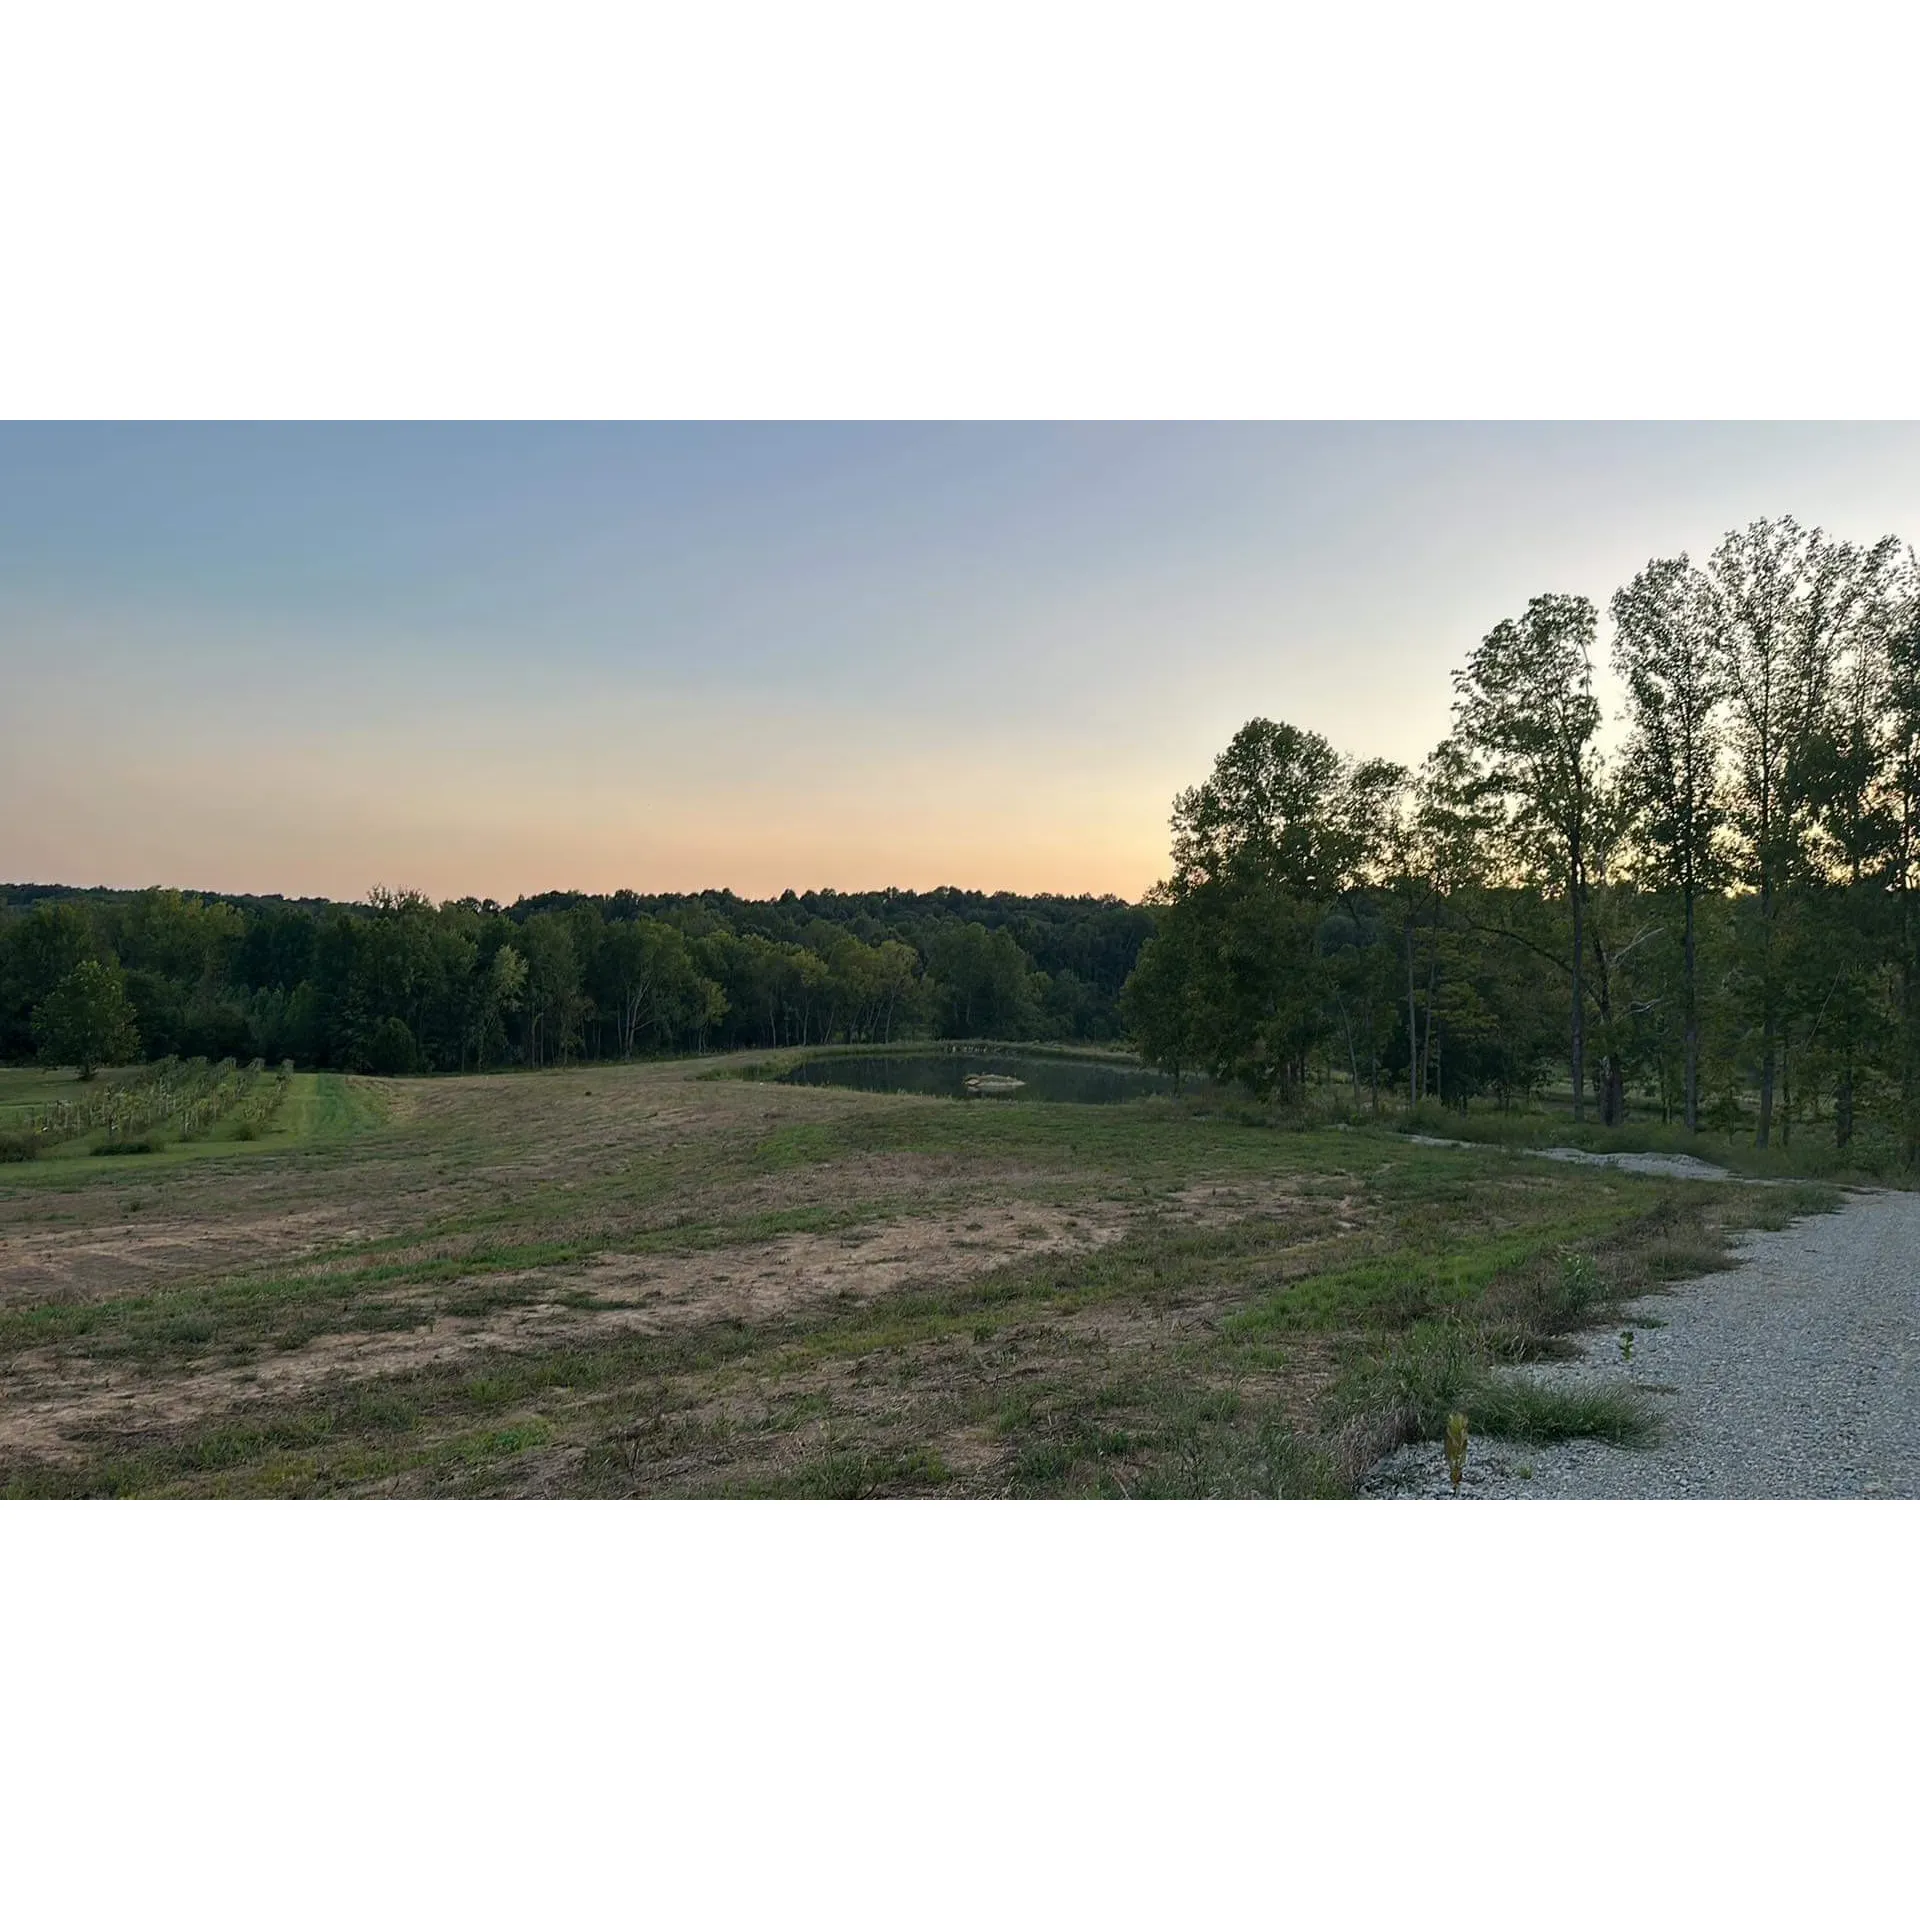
(1282, 806)
(86, 1021)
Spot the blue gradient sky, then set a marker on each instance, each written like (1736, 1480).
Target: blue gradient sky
(493, 659)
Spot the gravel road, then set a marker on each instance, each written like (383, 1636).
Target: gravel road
(1794, 1375)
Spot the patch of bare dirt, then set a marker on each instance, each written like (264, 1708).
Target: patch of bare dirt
(1214, 1203)
(1224, 1203)
(101, 1256)
(778, 1277)
(44, 1403)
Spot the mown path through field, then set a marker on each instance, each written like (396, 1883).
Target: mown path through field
(1793, 1374)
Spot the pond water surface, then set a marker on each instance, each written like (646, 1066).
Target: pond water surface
(1039, 1077)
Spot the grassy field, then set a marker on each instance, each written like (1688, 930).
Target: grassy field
(678, 1279)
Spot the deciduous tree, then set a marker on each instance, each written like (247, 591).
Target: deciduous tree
(1525, 712)
(1664, 648)
(85, 1022)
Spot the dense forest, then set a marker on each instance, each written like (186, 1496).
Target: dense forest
(397, 984)
(1718, 916)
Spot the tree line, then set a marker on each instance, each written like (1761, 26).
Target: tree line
(1717, 916)
(400, 984)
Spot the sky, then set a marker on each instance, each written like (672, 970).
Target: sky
(498, 659)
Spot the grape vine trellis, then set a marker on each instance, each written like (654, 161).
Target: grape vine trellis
(181, 1098)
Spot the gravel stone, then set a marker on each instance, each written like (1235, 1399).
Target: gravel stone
(1669, 1166)
(1791, 1376)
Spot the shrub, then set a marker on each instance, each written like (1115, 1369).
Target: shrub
(391, 1048)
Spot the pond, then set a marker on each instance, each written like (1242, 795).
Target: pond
(982, 1076)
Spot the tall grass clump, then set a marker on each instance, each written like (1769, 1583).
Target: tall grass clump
(1513, 1408)
(1407, 1391)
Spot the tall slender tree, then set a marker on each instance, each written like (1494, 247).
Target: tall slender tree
(1841, 767)
(1758, 576)
(1664, 649)
(1899, 644)
(1441, 834)
(1524, 709)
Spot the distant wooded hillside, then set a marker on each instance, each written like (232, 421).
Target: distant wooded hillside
(398, 983)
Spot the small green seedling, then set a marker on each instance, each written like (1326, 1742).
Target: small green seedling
(1579, 1285)
(1456, 1448)
(1626, 1343)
